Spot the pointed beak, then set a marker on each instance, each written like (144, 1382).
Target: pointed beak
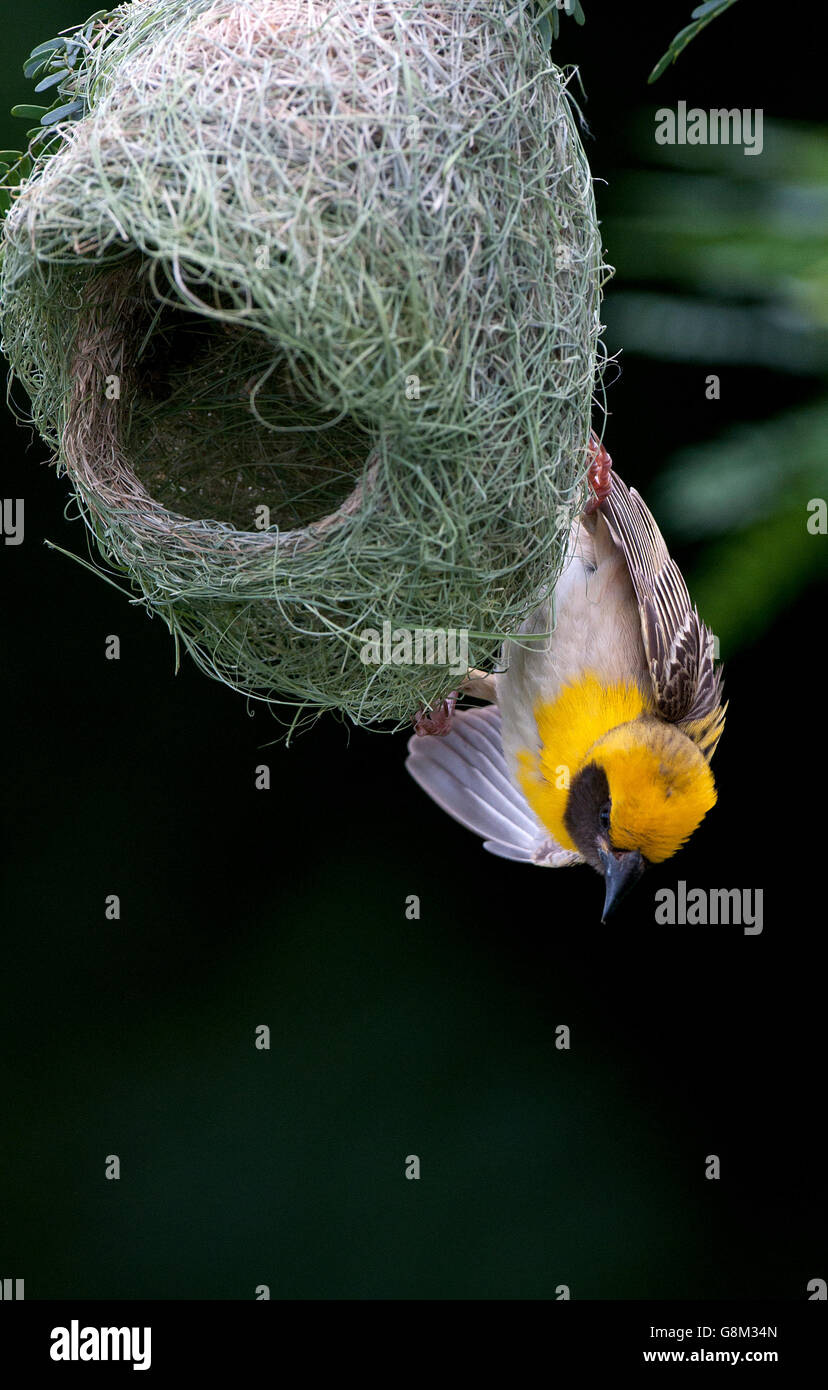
(622, 870)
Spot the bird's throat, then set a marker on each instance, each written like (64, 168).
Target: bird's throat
(568, 728)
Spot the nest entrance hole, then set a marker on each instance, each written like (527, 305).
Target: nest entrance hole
(220, 425)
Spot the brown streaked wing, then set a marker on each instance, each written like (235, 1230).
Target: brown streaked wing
(679, 646)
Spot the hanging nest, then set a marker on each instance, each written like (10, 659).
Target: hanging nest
(306, 303)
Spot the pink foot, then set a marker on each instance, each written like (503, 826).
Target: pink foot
(436, 721)
(599, 474)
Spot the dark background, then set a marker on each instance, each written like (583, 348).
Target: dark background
(540, 1167)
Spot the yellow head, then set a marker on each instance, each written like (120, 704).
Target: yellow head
(612, 781)
(642, 791)
(660, 787)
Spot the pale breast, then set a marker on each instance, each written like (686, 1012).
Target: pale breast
(591, 624)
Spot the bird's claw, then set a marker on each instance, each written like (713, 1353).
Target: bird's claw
(436, 721)
(599, 474)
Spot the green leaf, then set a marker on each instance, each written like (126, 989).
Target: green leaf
(33, 65)
(62, 113)
(48, 46)
(11, 156)
(709, 7)
(29, 112)
(702, 16)
(53, 79)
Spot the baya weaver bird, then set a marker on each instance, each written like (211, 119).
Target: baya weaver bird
(605, 713)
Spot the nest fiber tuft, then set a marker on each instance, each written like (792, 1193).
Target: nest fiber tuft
(306, 303)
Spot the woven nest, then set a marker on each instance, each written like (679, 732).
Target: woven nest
(306, 303)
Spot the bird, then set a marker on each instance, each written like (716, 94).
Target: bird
(601, 721)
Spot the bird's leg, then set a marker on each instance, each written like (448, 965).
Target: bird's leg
(479, 684)
(599, 474)
(436, 721)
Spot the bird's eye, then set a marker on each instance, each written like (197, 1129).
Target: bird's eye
(604, 816)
